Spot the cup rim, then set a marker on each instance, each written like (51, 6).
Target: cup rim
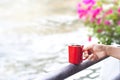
(75, 45)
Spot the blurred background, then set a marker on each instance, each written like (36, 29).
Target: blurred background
(34, 35)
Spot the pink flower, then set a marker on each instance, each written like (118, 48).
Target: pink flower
(82, 13)
(119, 10)
(110, 11)
(89, 8)
(119, 22)
(96, 12)
(89, 2)
(79, 5)
(92, 19)
(99, 30)
(99, 21)
(107, 22)
(89, 38)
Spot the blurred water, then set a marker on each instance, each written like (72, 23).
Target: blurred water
(34, 35)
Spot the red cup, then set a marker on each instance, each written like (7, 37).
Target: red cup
(75, 54)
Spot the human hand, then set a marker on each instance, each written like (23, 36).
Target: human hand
(97, 51)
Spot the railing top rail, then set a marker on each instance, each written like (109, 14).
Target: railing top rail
(69, 70)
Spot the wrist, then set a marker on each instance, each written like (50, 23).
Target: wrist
(108, 50)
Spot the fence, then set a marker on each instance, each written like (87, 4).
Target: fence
(69, 70)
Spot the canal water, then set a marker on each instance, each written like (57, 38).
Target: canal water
(34, 35)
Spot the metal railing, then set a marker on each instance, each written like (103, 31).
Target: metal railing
(69, 70)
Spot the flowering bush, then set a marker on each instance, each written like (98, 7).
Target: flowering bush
(103, 18)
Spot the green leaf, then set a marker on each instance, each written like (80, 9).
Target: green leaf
(117, 30)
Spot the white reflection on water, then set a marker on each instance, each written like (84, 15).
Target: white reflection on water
(23, 56)
(34, 36)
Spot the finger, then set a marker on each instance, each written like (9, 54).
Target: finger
(88, 47)
(85, 54)
(93, 57)
(90, 57)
